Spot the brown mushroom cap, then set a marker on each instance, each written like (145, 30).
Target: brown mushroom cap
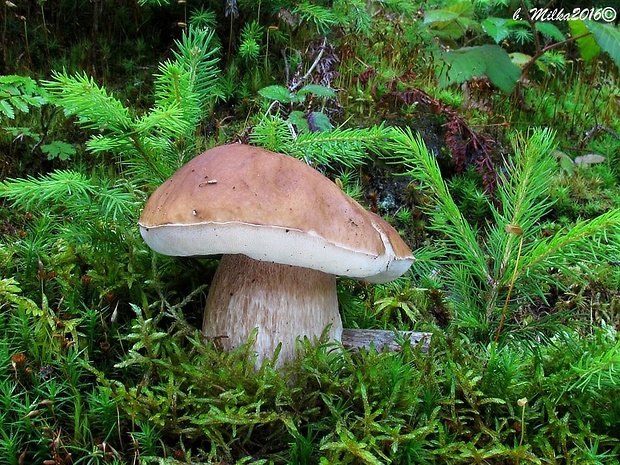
(239, 199)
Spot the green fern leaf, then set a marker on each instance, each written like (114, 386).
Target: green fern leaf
(19, 93)
(7, 109)
(20, 104)
(9, 293)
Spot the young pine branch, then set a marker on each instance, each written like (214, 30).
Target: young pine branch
(151, 146)
(511, 256)
(410, 151)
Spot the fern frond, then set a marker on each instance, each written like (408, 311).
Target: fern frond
(19, 93)
(10, 295)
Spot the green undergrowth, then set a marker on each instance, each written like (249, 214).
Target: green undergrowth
(174, 399)
(521, 367)
(508, 195)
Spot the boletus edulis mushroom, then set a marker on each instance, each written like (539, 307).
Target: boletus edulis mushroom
(284, 231)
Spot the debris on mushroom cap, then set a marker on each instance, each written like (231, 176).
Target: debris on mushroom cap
(239, 199)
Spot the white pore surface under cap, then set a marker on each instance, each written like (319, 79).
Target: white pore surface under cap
(275, 244)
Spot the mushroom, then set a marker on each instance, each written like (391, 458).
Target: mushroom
(284, 231)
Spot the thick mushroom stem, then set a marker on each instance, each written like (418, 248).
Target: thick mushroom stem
(284, 302)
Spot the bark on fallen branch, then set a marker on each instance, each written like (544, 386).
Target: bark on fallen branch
(382, 339)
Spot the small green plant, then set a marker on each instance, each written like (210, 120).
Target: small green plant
(453, 22)
(507, 272)
(335, 148)
(43, 391)
(304, 121)
(250, 47)
(151, 146)
(102, 359)
(84, 247)
(22, 96)
(19, 93)
(399, 304)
